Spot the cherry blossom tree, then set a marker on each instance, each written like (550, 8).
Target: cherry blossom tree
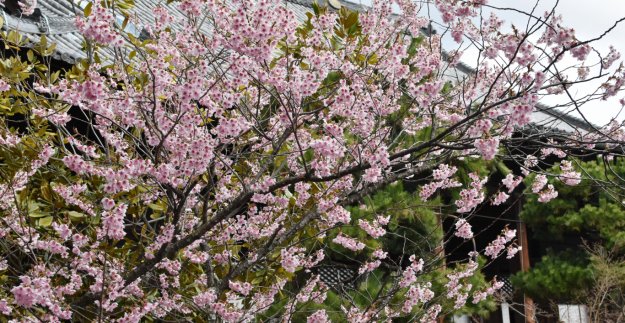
(200, 175)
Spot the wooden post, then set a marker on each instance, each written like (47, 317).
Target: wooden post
(440, 250)
(528, 303)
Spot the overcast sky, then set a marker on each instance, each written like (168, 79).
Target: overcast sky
(590, 19)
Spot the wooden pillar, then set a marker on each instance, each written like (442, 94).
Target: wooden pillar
(440, 250)
(528, 303)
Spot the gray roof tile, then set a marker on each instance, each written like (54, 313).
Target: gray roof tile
(59, 15)
(58, 25)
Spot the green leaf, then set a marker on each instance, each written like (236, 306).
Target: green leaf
(157, 207)
(54, 76)
(87, 10)
(352, 20)
(43, 41)
(15, 38)
(373, 59)
(75, 215)
(46, 221)
(125, 23)
(414, 44)
(447, 88)
(332, 77)
(36, 214)
(315, 7)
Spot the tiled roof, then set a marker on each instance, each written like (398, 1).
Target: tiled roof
(337, 277)
(57, 23)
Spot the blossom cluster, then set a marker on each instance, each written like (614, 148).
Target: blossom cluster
(224, 150)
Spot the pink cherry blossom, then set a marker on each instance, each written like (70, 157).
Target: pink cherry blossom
(349, 243)
(487, 147)
(210, 165)
(319, 316)
(463, 229)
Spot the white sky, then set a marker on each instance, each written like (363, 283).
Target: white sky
(589, 19)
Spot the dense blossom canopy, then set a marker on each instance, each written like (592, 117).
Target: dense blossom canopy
(217, 167)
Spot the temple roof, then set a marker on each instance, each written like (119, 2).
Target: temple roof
(55, 19)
